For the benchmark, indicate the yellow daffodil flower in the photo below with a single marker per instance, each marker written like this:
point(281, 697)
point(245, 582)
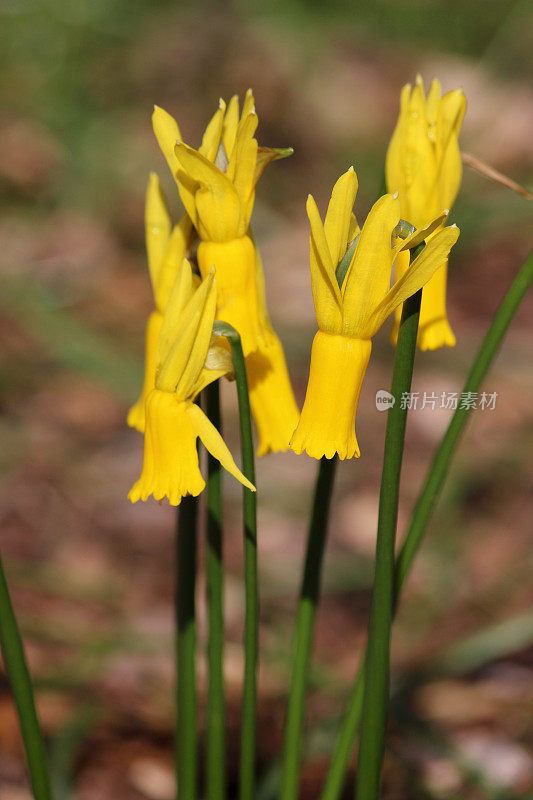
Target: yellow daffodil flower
point(349, 315)
point(185, 364)
point(424, 166)
point(217, 187)
point(166, 250)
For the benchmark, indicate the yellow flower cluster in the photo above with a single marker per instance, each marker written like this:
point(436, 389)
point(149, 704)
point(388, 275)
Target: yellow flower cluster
point(350, 276)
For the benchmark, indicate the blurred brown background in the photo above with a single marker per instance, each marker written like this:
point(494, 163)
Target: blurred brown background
point(89, 572)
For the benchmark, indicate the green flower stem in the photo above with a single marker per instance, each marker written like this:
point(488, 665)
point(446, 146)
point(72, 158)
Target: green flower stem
point(423, 510)
point(216, 707)
point(251, 616)
point(376, 685)
point(21, 686)
point(305, 621)
point(187, 713)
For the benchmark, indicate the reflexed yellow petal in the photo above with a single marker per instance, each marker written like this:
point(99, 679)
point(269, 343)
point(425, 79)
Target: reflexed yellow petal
point(433, 102)
point(248, 105)
point(217, 203)
point(170, 460)
point(241, 168)
point(229, 130)
point(213, 133)
point(136, 414)
point(215, 444)
point(432, 257)
point(267, 154)
point(353, 229)
point(188, 385)
point(180, 350)
point(167, 134)
point(327, 421)
point(368, 277)
point(339, 215)
point(326, 292)
point(177, 247)
point(182, 291)
point(157, 227)
point(421, 233)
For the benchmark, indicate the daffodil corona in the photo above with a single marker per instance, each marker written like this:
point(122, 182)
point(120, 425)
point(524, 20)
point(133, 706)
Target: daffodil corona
point(349, 314)
point(217, 187)
point(186, 361)
point(424, 166)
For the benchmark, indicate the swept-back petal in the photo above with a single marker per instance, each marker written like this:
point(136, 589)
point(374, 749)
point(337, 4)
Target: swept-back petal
point(326, 292)
point(339, 214)
point(432, 257)
point(213, 133)
point(184, 334)
point(167, 134)
point(368, 277)
point(188, 384)
point(176, 249)
point(421, 233)
point(182, 291)
point(229, 129)
point(241, 167)
point(157, 227)
point(214, 442)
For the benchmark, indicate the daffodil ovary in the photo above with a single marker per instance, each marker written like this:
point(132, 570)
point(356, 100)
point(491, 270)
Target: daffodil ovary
point(349, 315)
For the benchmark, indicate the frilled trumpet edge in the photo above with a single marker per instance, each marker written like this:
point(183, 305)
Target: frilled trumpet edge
point(271, 397)
point(170, 461)
point(327, 422)
point(136, 414)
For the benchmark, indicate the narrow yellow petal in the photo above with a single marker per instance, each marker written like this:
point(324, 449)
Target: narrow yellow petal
point(421, 233)
point(177, 247)
point(175, 362)
point(215, 444)
point(217, 203)
point(368, 278)
point(157, 228)
point(182, 291)
point(188, 386)
point(167, 134)
point(229, 129)
point(326, 292)
point(432, 257)
point(339, 214)
point(213, 133)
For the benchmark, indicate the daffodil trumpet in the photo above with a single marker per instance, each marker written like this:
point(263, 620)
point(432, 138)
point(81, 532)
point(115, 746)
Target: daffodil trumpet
point(349, 313)
point(217, 186)
point(424, 166)
point(187, 360)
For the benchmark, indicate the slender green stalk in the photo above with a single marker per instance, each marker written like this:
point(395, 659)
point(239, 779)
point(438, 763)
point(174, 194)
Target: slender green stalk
point(376, 685)
point(216, 712)
point(187, 713)
point(305, 621)
point(21, 686)
point(251, 615)
point(424, 509)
